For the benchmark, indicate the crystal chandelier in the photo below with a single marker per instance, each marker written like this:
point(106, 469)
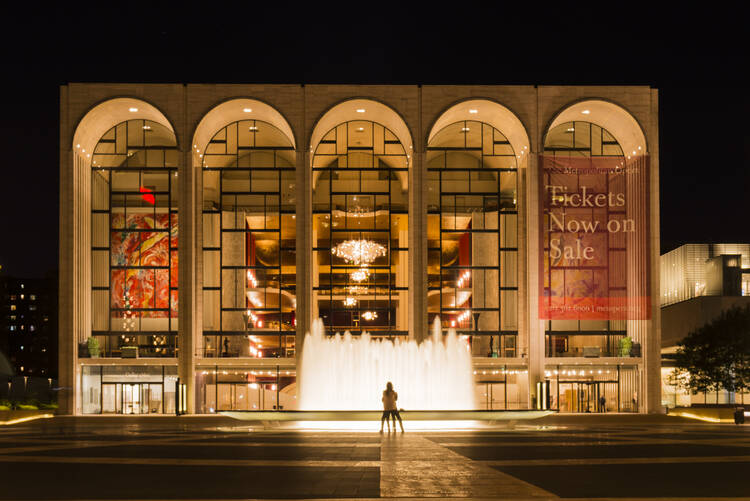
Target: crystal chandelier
point(370, 315)
point(360, 275)
point(359, 252)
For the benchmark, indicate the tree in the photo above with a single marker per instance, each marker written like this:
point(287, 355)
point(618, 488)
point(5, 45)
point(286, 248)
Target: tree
point(716, 356)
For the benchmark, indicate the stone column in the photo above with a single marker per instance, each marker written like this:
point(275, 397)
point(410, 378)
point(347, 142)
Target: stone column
point(522, 263)
point(417, 243)
point(304, 248)
point(190, 184)
point(68, 299)
point(530, 234)
point(75, 272)
point(652, 359)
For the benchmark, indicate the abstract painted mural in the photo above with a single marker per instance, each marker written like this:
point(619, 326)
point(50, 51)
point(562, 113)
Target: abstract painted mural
point(145, 245)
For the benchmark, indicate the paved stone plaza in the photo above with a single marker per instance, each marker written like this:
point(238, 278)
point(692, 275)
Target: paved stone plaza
point(587, 457)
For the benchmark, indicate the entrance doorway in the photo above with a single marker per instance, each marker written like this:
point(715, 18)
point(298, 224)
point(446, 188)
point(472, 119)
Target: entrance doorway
point(586, 396)
point(132, 398)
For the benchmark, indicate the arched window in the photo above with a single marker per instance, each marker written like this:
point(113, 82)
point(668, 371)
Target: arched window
point(134, 229)
point(249, 236)
point(582, 139)
point(472, 235)
point(360, 230)
point(578, 338)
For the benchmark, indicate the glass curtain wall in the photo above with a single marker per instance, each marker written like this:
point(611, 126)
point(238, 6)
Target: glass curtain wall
point(501, 387)
point(592, 388)
point(249, 242)
point(134, 228)
point(585, 338)
point(360, 230)
point(128, 389)
point(472, 236)
point(238, 388)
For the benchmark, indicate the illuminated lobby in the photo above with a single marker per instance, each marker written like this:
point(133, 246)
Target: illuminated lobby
point(205, 227)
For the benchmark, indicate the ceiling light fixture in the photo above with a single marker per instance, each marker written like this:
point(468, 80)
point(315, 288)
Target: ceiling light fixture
point(132, 110)
point(370, 315)
point(360, 275)
point(360, 110)
point(473, 112)
point(247, 110)
point(359, 252)
point(585, 112)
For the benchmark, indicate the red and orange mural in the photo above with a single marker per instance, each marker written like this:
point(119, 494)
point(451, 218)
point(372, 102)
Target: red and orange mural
point(145, 240)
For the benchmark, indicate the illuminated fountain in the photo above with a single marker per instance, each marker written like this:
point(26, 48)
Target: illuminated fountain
point(349, 373)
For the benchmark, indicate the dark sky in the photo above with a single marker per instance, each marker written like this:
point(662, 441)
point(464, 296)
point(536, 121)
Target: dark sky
point(694, 57)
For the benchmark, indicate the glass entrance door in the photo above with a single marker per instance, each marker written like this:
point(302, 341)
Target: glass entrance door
point(491, 396)
point(131, 399)
point(587, 396)
point(152, 394)
point(111, 402)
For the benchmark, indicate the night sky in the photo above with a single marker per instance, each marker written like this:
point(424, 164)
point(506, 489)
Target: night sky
point(695, 58)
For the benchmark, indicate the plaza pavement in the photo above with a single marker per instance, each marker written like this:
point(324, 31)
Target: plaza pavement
point(571, 457)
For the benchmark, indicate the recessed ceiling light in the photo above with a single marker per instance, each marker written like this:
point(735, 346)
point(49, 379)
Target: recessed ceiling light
point(247, 110)
point(132, 110)
point(585, 112)
point(360, 129)
point(78, 146)
point(570, 129)
point(146, 127)
point(254, 128)
point(464, 129)
point(473, 111)
point(360, 110)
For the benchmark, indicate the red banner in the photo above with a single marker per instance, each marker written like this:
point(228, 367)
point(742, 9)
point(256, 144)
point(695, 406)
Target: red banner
point(594, 238)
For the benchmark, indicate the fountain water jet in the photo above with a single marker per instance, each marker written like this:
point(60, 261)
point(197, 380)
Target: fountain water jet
point(349, 373)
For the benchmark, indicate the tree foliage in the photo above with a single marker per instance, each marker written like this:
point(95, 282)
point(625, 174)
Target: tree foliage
point(717, 355)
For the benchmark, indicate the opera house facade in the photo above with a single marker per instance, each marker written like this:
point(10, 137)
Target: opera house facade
point(204, 227)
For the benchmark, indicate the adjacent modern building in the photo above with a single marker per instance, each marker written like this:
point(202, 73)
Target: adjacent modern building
point(204, 227)
point(698, 283)
point(28, 325)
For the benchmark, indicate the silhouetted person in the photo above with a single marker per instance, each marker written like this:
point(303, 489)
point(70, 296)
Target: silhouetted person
point(603, 403)
point(390, 409)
